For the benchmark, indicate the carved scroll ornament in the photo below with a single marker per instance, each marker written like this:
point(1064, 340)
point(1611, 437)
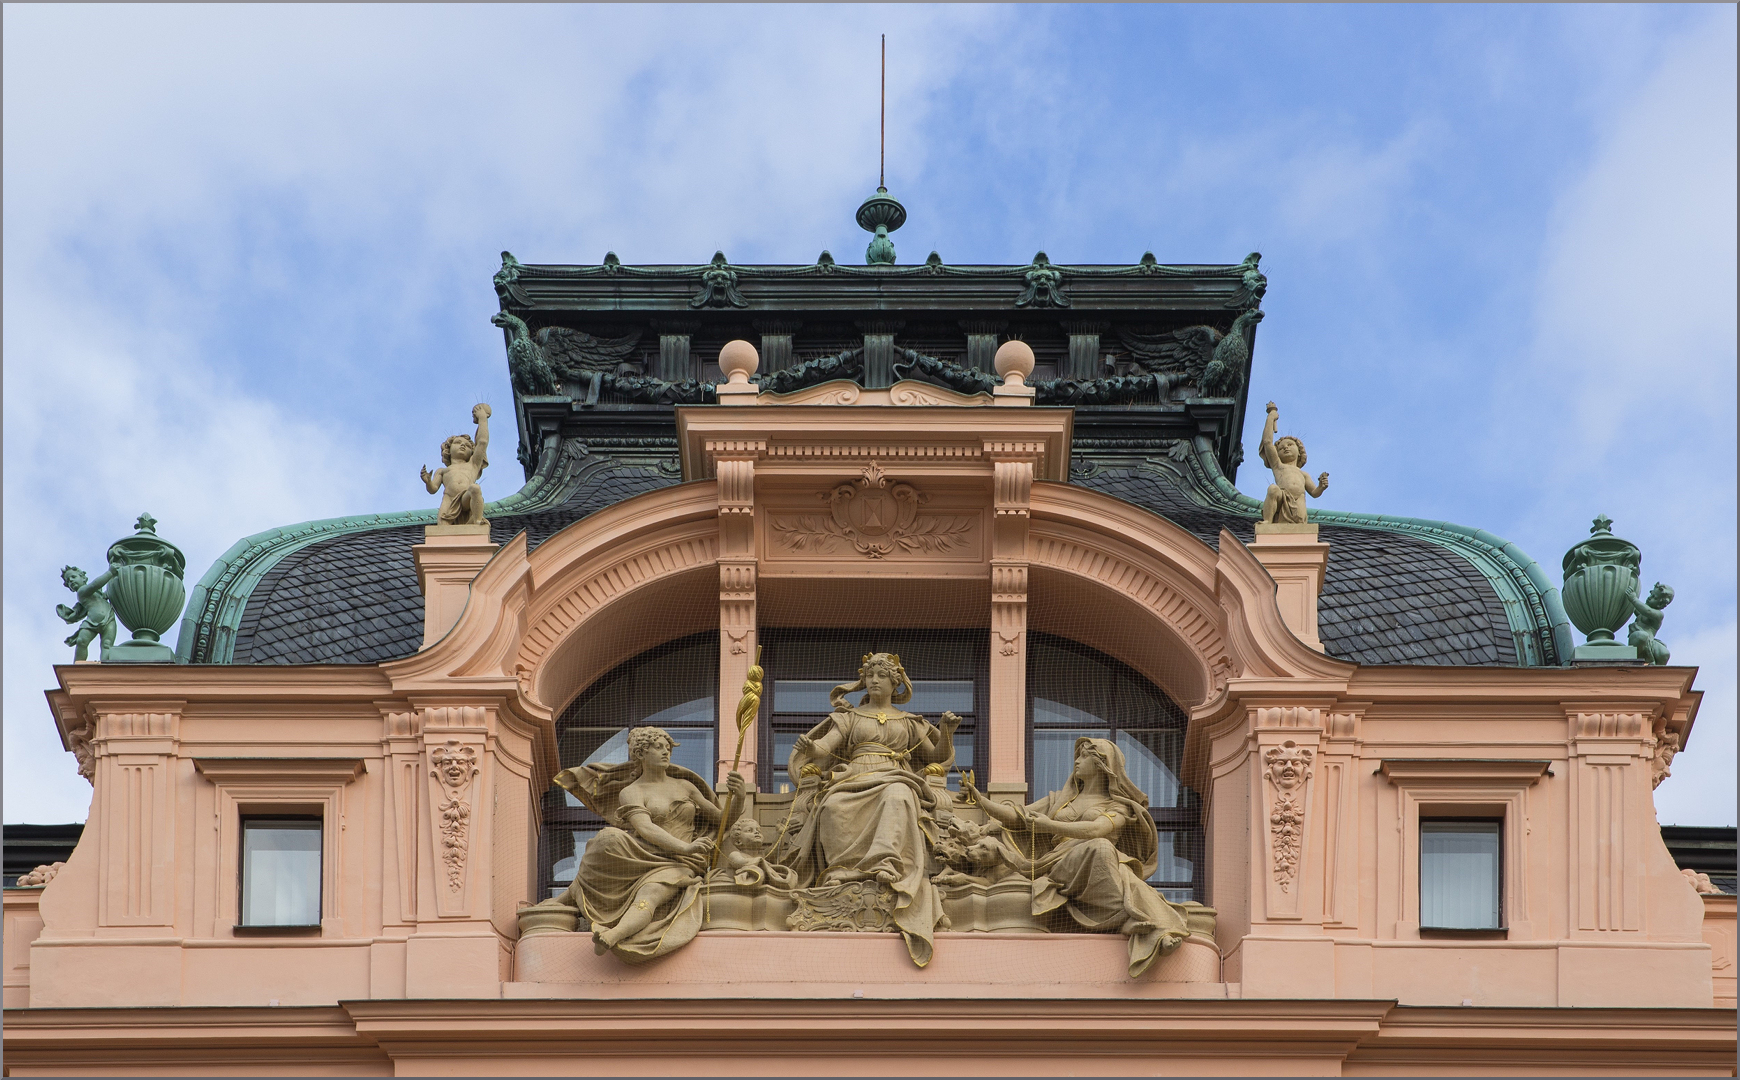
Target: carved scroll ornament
point(877, 516)
point(1287, 768)
point(454, 767)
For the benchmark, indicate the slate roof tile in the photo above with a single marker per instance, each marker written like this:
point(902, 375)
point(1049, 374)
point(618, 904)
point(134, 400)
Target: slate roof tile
point(1387, 598)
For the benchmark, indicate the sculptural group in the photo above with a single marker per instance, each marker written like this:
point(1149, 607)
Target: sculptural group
point(872, 841)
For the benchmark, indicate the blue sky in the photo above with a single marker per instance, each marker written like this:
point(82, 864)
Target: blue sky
point(247, 249)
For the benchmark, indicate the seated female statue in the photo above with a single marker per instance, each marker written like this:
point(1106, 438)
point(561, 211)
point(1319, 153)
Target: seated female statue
point(639, 881)
point(863, 810)
point(1090, 848)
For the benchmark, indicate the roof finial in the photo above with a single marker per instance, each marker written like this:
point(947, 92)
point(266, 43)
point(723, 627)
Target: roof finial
point(881, 213)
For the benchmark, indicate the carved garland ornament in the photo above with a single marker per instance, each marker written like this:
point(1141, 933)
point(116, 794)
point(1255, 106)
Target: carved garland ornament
point(455, 765)
point(1287, 767)
point(877, 516)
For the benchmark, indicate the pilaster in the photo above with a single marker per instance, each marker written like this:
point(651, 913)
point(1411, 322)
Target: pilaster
point(776, 349)
point(734, 470)
point(879, 351)
point(136, 747)
point(1296, 559)
point(982, 335)
point(1012, 469)
point(673, 363)
point(454, 951)
point(1611, 807)
point(448, 560)
point(1083, 361)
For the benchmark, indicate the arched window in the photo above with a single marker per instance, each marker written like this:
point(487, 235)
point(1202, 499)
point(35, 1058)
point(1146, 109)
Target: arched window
point(670, 687)
point(1074, 691)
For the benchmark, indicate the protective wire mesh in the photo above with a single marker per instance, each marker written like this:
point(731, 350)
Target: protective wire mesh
point(862, 820)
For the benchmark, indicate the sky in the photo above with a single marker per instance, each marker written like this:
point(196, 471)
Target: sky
point(248, 249)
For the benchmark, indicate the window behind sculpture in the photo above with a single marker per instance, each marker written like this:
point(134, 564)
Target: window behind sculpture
point(1460, 886)
point(670, 687)
point(1072, 691)
point(280, 872)
point(1075, 692)
point(948, 670)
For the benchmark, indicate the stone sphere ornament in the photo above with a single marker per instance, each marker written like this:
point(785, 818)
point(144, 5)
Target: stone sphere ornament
point(147, 592)
point(738, 360)
point(1014, 361)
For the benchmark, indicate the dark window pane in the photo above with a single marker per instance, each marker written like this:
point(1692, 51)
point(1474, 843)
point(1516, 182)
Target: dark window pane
point(1145, 757)
point(1051, 713)
point(803, 695)
point(1179, 852)
point(695, 751)
point(1459, 874)
point(565, 868)
point(280, 873)
point(929, 696)
point(1054, 756)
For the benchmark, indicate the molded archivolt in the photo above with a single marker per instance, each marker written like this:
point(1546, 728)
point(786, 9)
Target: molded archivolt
point(645, 571)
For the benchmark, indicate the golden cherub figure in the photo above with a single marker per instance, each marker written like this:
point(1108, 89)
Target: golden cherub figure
point(463, 459)
point(1285, 456)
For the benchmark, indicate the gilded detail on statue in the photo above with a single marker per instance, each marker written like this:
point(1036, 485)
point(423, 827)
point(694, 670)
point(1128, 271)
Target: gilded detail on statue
point(1287, 768)
point(873, 842)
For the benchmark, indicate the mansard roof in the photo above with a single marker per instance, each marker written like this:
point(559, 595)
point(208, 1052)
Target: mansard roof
point(1127, 346)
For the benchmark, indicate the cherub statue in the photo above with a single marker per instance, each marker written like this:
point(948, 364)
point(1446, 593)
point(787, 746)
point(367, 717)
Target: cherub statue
point(1647, 620)
point(463, 459)
point(93, 607)
point(747, 863)
point(1285, 456)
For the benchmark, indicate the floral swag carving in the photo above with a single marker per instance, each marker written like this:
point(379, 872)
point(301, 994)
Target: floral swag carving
point(1287, 768)
point(454, 767)
point(876, 515)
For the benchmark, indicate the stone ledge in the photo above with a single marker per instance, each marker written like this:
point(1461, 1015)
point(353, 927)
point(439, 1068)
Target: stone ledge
point(762, 964)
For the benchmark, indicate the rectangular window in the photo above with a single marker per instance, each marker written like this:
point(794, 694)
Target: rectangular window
point(281, 872)
point(1460, 884)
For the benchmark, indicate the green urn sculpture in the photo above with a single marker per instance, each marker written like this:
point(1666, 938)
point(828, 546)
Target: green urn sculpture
point(1600, 594)
point(147, 593)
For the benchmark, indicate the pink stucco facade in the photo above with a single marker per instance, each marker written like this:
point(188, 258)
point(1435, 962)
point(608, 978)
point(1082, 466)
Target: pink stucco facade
point(130, 960)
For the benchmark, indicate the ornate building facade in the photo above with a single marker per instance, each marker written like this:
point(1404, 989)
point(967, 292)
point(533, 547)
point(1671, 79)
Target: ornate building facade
point(1179, 790)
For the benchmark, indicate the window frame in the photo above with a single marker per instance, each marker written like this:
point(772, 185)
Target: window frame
point(1497, 823)
point(975, 643)
point(1493, 788)
point(244, 821)
point(556, 817)
point(1184, 818)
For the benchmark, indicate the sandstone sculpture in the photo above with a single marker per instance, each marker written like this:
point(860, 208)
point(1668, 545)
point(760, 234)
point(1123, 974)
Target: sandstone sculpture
point(1285, 503)
point(873, 841)
point(863, 809)
point(639, 880)
point(1090, 848)
point(463, 459)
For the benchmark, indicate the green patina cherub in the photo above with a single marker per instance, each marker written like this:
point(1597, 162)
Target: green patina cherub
point(93, 607)
point(1647, 623)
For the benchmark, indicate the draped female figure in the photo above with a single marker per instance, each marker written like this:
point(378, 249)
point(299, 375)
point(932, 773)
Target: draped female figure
point(639, 880)
point(1090, 848)
point(863, 811)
